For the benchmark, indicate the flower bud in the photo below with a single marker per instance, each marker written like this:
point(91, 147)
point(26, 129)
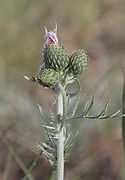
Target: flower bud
point(49, 78)
point(77, 62)
point(55, 56)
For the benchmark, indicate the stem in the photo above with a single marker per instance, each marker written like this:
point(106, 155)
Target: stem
point(123, 131)
point(60, 141)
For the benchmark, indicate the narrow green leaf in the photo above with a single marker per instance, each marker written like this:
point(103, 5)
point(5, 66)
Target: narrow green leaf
point(116, 114)
point(104, 111)
point(76, 107)
point(88, 111)
point(69, 144)
point(44, 114)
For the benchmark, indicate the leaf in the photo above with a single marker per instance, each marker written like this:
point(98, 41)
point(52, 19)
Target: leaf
point(87, 112)
point(44, 114)
point(104, 111)
point(49, 127)
point(69, 145)
point(116, 114)
point(32, 79)
point(76, 106)
point(76, 92)
point(86, 106)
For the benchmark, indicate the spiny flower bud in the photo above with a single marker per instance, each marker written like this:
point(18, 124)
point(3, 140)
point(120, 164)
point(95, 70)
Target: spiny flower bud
point(55, 56)
point(49, 78)
point(78, 62)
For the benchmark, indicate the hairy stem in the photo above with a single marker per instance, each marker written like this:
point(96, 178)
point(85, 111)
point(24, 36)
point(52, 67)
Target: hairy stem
point(123, 131)
point(60, 142)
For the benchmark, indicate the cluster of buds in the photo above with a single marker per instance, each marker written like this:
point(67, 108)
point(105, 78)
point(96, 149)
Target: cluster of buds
point(58, 66)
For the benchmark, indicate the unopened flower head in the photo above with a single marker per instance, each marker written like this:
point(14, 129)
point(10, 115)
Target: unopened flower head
point(55, 55)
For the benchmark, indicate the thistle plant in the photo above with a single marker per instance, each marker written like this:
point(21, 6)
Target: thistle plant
point(59, 69)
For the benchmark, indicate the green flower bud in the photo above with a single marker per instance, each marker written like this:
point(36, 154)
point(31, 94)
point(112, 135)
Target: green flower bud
point(49, 78)
point(78, 62)
point(55, 57)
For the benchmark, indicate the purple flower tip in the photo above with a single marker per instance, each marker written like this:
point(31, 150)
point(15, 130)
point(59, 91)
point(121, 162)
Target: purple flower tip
point(51, 36)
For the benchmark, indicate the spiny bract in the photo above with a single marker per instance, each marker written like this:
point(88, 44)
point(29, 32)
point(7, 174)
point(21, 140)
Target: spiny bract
point(77, 62)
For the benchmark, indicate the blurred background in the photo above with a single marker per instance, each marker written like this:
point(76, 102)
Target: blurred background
point(93, 25)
